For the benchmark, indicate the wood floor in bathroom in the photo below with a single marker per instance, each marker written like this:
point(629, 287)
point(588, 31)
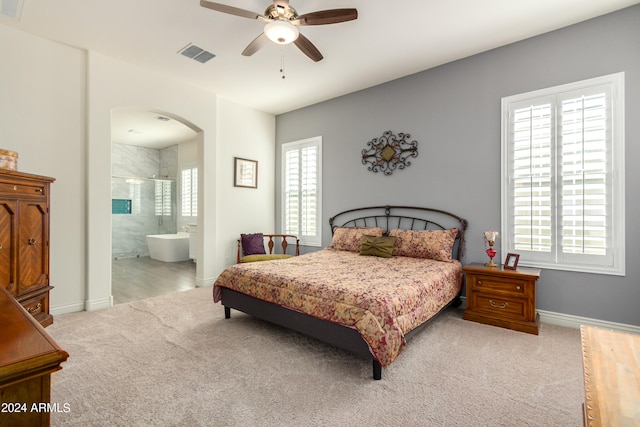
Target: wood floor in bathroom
point(138, 278)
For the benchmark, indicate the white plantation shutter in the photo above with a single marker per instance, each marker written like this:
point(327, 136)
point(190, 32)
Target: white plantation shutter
point(301, 190)
point(189, 189)
point(163, 197)
point(531, 178)
point(292, 192)
point(584, 164)
point(564, 176)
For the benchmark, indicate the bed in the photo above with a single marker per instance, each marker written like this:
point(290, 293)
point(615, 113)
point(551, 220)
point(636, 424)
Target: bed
point(387, 272)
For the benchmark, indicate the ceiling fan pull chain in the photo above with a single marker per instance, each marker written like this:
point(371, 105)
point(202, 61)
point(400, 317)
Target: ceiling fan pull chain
point(282, 63)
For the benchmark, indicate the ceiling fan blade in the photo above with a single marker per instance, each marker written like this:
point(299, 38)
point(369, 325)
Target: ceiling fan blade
point(322, 17)
point(233, 10)
point(255, 45)
point(308, 48)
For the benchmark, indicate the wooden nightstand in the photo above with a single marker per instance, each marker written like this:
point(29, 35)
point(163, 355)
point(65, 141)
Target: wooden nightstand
point(505, 298)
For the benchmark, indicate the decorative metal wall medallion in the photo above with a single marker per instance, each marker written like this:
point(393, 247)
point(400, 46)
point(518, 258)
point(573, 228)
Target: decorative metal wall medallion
point(389, 152)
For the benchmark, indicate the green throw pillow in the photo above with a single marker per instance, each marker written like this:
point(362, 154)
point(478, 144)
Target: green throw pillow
point(377, 246)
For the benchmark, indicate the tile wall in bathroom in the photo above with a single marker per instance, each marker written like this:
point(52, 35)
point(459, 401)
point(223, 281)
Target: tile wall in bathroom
point(132, 171)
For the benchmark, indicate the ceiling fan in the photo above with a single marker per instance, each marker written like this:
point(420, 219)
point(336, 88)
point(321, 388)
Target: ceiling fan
point(282, 22)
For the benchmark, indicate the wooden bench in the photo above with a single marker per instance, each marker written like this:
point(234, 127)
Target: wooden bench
point(284, 241)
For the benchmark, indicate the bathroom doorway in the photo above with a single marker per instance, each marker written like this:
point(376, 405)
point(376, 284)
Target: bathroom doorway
point(149, 150)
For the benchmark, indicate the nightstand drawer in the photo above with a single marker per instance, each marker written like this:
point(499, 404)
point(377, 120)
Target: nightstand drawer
point(496, 284)
point(501, 307)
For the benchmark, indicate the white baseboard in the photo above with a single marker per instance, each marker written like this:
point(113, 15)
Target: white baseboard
point(204, 283)
point(571, 321)
point(91, 305)
point(67, 308)
point(88, 305)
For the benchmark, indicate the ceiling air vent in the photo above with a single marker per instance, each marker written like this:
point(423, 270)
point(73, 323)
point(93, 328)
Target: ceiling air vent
point(194, 52)
point(11, 8)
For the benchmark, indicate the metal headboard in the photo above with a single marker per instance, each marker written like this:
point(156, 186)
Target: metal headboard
point(404, 217)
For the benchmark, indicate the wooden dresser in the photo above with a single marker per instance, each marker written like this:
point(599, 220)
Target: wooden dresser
point(611, 362)
point(24, 241)
point(28, 356)
point(501, 297)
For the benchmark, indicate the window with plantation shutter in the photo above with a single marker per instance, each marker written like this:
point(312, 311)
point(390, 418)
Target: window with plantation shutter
point(563, 176)
point(302, 190)
point(164, 199)
point(189, 189)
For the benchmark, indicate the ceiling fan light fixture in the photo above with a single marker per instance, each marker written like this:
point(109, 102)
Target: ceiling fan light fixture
point(281, 32)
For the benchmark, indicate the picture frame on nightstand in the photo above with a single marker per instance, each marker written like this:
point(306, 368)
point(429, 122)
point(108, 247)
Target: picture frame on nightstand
point(511, 262)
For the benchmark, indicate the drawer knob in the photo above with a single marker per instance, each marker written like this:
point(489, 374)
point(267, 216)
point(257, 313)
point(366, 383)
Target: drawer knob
point(479, 282)
point(32, 242)
point(518, 287)
point(495, 305)
point(34, 309)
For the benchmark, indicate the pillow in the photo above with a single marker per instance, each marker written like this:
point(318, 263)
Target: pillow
point(252, 244)
point(348, 238)
point(431, 244)
point(377, 246)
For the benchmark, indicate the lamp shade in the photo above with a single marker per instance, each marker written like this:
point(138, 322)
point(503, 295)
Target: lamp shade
point(281, 32)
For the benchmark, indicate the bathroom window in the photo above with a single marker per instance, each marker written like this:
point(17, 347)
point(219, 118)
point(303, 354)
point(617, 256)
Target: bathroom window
point(163, 198)
point(190, 191)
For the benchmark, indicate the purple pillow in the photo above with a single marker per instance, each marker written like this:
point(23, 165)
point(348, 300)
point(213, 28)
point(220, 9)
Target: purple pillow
point(252, 244)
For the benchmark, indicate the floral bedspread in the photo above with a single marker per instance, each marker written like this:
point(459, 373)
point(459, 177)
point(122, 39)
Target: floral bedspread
point(382, 298)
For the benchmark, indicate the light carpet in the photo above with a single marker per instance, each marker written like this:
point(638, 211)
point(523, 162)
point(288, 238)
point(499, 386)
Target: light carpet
point(174, 360)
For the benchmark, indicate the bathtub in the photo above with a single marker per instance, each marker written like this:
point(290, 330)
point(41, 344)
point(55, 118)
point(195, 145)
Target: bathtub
point(169, 247)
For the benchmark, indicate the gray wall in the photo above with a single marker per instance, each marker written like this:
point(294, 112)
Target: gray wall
point(453, 111)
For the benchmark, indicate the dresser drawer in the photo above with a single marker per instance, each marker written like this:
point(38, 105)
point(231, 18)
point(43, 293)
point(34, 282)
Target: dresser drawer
point(493, 284)
point(22, 189)
point(500, 307)
point(38, 307)
point(35, 305)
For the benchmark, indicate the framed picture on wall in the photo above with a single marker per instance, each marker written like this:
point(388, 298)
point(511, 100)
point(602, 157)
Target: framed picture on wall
point(245, 173)
point(511, 262)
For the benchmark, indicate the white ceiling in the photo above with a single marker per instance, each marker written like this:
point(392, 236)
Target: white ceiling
point(389, 40)
point(148, 129)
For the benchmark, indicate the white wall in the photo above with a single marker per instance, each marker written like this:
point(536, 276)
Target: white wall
point(115, 84)
point(42, 117)
point(249, 134)
point(55, 111)
point(187, 157)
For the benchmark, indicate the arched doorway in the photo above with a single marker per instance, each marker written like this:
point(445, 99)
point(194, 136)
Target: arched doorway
point(150, 149)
